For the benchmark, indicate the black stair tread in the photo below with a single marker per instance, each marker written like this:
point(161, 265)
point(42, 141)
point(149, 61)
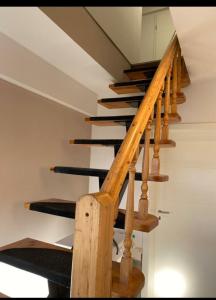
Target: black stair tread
point(67, 209)
point(145, 65)
point(102, 173)
point(131, 101)
point(123, 119)
point(132, 86)
point(64, 208)
point(132, 82)
point(43, 259)
point(57, 207)
point(113, 142)
point(54, 263)
point(121, 102)
point(86, 171)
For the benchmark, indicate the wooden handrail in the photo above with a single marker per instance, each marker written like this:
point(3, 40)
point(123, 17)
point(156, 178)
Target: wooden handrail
point(116, 175)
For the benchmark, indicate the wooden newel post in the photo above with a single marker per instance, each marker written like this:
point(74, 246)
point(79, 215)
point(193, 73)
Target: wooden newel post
point(92, 250)
point(143, 201)
point(155, 167)
point(127, 261)
point(165, 130)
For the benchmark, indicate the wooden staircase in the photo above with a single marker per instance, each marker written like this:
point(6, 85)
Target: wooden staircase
point(94, 273)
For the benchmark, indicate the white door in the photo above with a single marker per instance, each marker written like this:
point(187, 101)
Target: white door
point(182, 248)
point(157, 30)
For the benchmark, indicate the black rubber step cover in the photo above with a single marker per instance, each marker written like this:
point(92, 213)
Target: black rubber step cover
point(55, 265)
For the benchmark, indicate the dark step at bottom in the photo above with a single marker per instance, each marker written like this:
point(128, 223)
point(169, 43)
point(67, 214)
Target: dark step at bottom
point(54, 263)
point(43, 259)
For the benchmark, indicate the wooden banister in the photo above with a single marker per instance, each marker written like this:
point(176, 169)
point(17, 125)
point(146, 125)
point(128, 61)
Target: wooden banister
point(95, 213)
point(119, 168)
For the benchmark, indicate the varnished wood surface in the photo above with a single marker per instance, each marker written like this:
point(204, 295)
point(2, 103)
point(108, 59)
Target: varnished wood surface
point(140, 71)
point(119, 168)
point(132, 288)
point(147, 224)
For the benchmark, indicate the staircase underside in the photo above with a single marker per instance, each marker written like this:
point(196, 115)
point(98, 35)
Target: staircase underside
point(54, 263)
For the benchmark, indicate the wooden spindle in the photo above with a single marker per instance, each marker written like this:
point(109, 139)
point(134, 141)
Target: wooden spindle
point(155, 167)
point(174, 86)
point(165, 129)
point(179, 71)
point(127, 261)
point(143, 201)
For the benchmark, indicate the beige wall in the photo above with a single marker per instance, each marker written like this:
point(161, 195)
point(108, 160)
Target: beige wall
point(34, 137)
point(81, 27)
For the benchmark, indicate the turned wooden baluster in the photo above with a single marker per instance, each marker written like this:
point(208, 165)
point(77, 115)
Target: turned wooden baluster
point(174, 85)
point(179, 71)
point(143, 201)
point(155, 166)
point(165, 129)
point(127, 261)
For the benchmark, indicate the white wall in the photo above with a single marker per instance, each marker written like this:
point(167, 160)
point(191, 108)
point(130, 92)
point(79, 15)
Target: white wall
point(123, 26)
point(185, 239)
point(23, 68)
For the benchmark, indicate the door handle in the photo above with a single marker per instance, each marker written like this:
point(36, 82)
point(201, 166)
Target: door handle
point(163, 211)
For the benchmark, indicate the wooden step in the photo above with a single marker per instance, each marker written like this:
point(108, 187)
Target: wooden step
point(132, 101)
point(102, 173)
point(146, 71)
point(124, 120)
point(67, 209)
point(147, 224)
point(145, 65)
point(43, 259)
point(117, 142)
point(127, 87)
point(130, 290)
point(54, 263)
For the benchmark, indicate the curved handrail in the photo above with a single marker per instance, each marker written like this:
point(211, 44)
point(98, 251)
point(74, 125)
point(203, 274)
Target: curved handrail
point(118, 171)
